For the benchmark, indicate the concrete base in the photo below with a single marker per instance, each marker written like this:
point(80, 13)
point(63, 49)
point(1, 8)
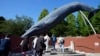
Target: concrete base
point(74, 55)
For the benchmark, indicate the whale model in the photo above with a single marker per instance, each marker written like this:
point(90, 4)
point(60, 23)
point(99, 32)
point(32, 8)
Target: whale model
point(56, 17)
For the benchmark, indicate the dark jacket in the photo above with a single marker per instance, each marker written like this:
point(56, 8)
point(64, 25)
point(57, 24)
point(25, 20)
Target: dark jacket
point(24, 46)
point(4, 46)
point(40, 45)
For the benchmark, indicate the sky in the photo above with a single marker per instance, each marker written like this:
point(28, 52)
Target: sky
point(32, 8)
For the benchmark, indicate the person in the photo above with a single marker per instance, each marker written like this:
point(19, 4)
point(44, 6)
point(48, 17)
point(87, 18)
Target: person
point(54, 40)
point(40, 46)
point(24, 46)
point(5, 46)
point(34, 44)
point(61, 43)
point(46, 38)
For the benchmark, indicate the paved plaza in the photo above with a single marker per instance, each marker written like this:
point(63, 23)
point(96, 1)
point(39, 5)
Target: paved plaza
point(52, 53)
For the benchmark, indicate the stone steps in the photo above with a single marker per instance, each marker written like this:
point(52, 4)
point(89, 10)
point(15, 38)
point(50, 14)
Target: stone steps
point(53, 53)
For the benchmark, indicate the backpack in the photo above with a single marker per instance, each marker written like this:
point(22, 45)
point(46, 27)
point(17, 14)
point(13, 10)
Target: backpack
point(45, 40)
point(54, 39)
point(62, 41)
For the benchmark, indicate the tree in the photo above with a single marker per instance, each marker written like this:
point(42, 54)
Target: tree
point(99, 6)
point(2, 19)
point(16, 26)
point(59, 29)
point(43, 14)
point(95, 21)
point(71, 25)
point(84, 29)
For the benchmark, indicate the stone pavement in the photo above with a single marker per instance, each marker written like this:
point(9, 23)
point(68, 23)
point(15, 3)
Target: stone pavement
point(53, 53)
point(92, 54)
point(58, 53)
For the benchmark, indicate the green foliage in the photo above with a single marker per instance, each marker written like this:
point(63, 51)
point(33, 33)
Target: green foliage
point(83, 28)
point(99, 6)
point(59, 29)
point(95, 20)
point(16, 26)
point(2, 19)
point(43, 14)
point(71, 27)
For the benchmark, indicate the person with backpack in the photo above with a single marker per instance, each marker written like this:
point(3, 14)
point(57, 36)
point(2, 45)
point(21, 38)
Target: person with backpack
point(54, 40)
point(61, 43)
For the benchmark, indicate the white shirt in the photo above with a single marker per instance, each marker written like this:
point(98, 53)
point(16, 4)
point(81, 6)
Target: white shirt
point(46, 38)
point(34, 41)
point(60, 38)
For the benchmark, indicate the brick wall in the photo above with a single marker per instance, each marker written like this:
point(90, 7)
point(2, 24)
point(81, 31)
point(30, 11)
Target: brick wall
point(87, 44)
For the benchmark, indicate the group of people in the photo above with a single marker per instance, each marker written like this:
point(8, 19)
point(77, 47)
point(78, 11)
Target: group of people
point(40, 44)
point(59, 40)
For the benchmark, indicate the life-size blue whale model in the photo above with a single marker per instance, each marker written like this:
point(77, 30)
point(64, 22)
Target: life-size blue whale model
point(55, 17)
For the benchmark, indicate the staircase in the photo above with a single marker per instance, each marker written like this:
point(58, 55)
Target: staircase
point(66, 53)
point(51, 52)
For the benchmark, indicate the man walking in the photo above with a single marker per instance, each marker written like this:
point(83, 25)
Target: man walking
point(54, 40)
point(34, 44)
point(40, 46)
